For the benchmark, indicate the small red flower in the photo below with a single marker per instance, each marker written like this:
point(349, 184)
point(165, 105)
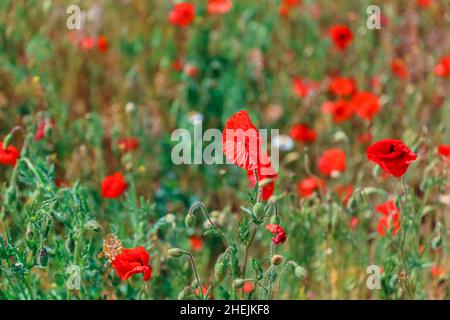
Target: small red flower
point(341, 110)
point(442, 69)
point(444, 150)
point(280, 234)
point(343, 86)
point(399, 69)
point(366, 105)
point(302, 88)
point(190, 70)
point(86, 43)
point(182, 14)
point(132, 261)
point(102, 44)
point(128, 144)
point(389, 219)
point(331, 162)
point(437, 271)
point(424, 3)
point(248, 287)
point(287, 5)
point(303, 133)
point(219, 6)
point(353, 223)
point(241, 141)
point(113, 186)
point(196, 243)
point(8, 156)
point(308, 186)
point(341, 35)
point(393, 156)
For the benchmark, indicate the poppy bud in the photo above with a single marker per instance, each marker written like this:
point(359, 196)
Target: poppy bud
point(175, 252)
point(219, 271)
point(300, 272)
point(275, 219)
point(42, 257)
point(258, 210)
point(189, 221)
point(91, 227)
point(238, 283)
point(277, 259)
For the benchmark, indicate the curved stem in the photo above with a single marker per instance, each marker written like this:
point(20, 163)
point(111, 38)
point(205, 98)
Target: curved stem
point(205, 212)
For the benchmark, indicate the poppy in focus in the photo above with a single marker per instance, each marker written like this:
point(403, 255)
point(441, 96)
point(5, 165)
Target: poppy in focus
point(182, 14)
point(278, 231)
point(132, 261)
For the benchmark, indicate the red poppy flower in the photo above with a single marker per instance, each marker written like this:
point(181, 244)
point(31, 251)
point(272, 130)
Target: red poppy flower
point(341, 36)
point(303, 133)
point(287, 5)
point(219, 6)
point(308, 186)
point(40, 131)
point(365, 104)
point(248, 287)
point(424, 3)
point(113, 186)
point(241, 141)
point(442, 69)
point(343, 86)
point(444, 150)
point(132, 261)
point(278, 231)
point(389, 221)
point(393, 156)
point(344, 192)
point(264, 171)
point(302, 88)
point(128, 144)
point(102, 44)
point(341, 110)
point(196, 243)
point(332, 161)
point(190, 70)
point(399, 69)
point(86, 43)
point(8, 156)
point(353, 223)
point(182, 14)
point(437, 271)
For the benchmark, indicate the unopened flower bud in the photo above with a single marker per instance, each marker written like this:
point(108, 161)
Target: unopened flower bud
point(238, 283)
point(258, 210)
point(175, 252)
point(277, 260)
point(219, 271)
point(91, 227)
point(189, 220)
point(300, 272)
point(275, 219)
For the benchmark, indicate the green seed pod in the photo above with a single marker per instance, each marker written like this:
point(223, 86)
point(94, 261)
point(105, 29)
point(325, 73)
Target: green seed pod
point(219, 271)
point(189, 220)
point(92, 227)
point(238, 283)
point(275, 219)
point(175, 252)
point(258, 210)
point(277, 260)
point(300, 272)
point(42, 257)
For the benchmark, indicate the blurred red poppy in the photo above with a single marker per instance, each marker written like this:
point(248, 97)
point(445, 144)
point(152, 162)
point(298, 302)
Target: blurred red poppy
point(341, 110)
point(248, 287)
point(132, 261)
point(365, 104)
point(219, 6)
point(331, 162)
point(353, 223)
point(365, 138)
point(308, 186)
point(128, 144)
point(278, 231)
point(113, 186)
point(389, 221)
point(241, 141)
point(393, 156)
point(303, 133)
point(341, 86)
point(437, 271)
point(182, 14)
point(302, 88)
point(424, 3)
point(8, 155)
point(399, 69)
point(442, 68)
point(196, 243)
point(102, 44)
point(444, 150)
point(341, 35)
point(287, 5)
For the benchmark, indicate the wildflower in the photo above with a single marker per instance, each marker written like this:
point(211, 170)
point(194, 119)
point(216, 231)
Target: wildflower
point(331, 162)
point(287, 5)
point(444, 150)
point(341, 110)
point(353, 223)
point(437, 271)
point(424, 3)
point(8, 155)
point(341, 35)
point(128, 144)
point(196, 243)
point(308, 186)
point(341, 86)
point(389, 219)
point(278, 231)
point(219, 6)
point(442, 69)
point(303, 133)
point(102, 44)
point(132, 261)
point(113, 186)
point(302, 88)
point(248, 287)
point(182, 14)
point(365, 138)
point(366, 105)
point(393, 156)
point(112, 246)
point(399, 69)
